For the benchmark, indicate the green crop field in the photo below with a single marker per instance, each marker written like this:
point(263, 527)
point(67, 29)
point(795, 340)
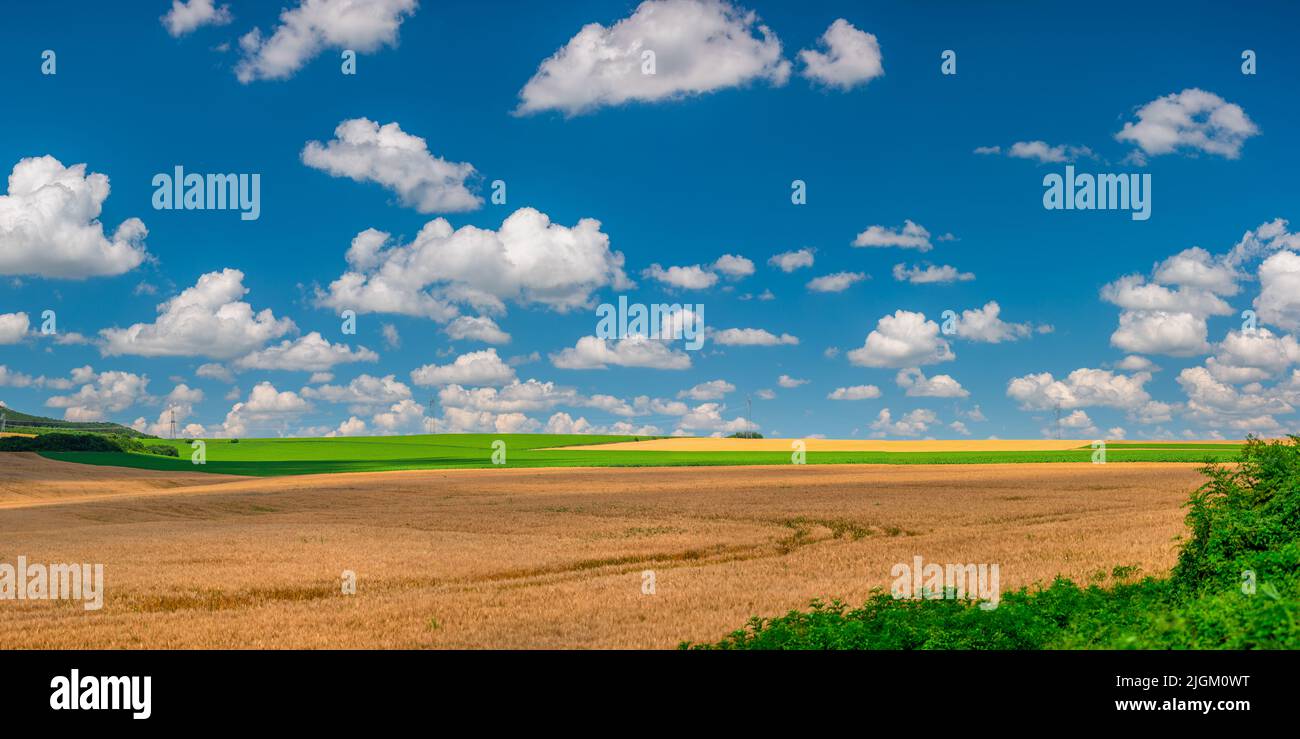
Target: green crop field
point(271, 457)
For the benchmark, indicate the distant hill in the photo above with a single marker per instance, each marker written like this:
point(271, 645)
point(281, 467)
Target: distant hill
point(19, 422)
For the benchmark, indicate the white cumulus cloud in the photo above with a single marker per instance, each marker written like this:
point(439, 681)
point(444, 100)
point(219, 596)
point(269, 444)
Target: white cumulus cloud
point(910, 236)
point(699, 46)
point(529, 260)
point(1193, 120)
point(904, 339)
point(365, 151)
point(847, 57)
point(209, 319)
point(49, 224)
point(633, 351)
point(310, 353)
point(313, 26)
point(187, 15)
point(474, 368)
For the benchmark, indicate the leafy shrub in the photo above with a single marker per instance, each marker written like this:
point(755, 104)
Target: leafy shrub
point(60, 442)
point(745, 435)
point(63, 442)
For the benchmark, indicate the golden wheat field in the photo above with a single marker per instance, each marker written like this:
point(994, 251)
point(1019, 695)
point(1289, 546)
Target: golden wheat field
point(544, 558)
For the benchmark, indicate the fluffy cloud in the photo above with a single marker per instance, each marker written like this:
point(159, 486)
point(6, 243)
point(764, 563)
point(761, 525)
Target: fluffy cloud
point(1160, 320)
point(310, 353)
point(930, 273)
point(633, 351)
point(835, 282)
point(403, 416)
point(1224, 406)
point(1250, 356)
point(920, 386)
point(517, 397)
point(459, 421)
point(392, 338)
point(363, 393)
point(1197, 268)
point(1259, 242)
point(1077, 422)
point(1279, 293)
point(352, 427)
point(910, 236)
point(315, 25)
point(699, 277)
point(693, 277)
point(851, 57)
point(214, 371)
point(266, 408)
point(474, 368)
point(1134, 363)
point(209, 319)
point(711, 390)
point(13, 327)
point(187, 15)
point(787, 381)
point(1040, 151)
point(752, 337)
point(477, 328)
point(1133, 293)
point(49, 224)
point(14, 378)
point(855, 392)
point(367, 152)
point(708, 417)
point(699, 46)
point(734, 266)
point(1190, 120)
point(914, 423)
point(529, 260)
point(266, 399)
point(563, 423)
point(1083, 387)
point(789, 261)
point(904, 339)
point(104, 393)
point(1161, 332)
point(985, 325)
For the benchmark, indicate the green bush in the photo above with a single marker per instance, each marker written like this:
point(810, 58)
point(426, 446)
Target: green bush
point(63, 442)
point(1236, 586)
point(60, 442)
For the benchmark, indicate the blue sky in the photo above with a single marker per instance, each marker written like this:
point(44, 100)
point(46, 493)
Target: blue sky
point(1141, 334)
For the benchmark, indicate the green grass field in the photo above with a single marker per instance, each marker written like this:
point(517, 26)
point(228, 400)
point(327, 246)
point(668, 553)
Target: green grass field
point(272, 457)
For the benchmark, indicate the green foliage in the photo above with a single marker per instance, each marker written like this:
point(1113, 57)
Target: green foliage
point(1236, 586)
point(60, 442)
point(162, 449)
point(745, 435)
